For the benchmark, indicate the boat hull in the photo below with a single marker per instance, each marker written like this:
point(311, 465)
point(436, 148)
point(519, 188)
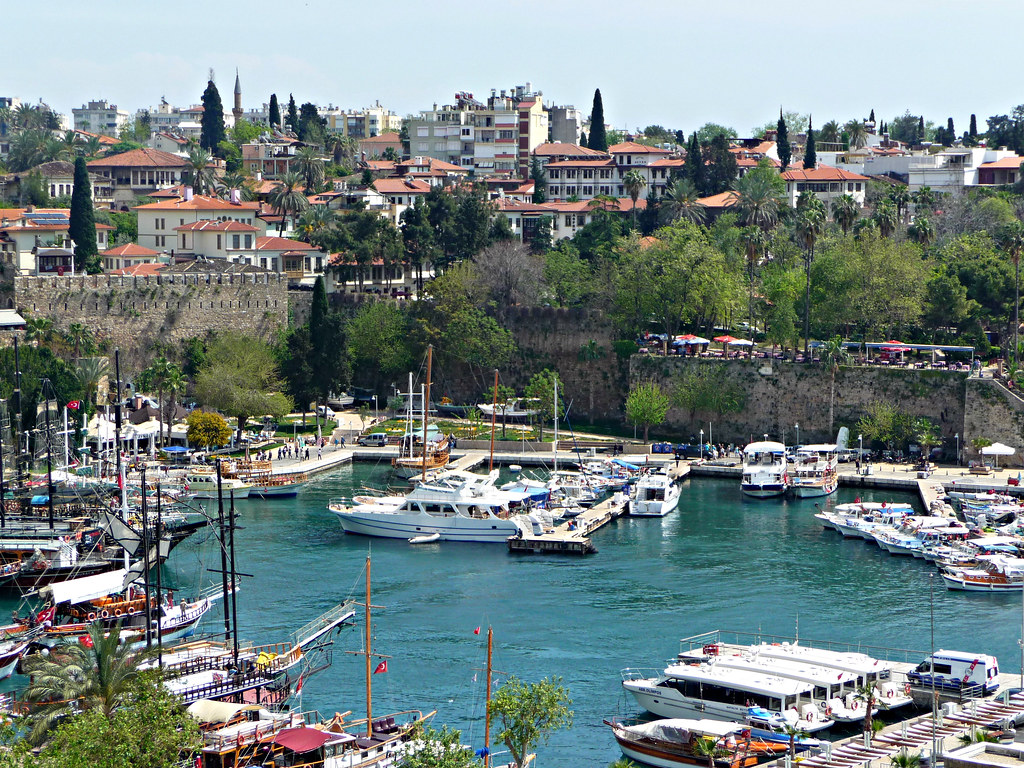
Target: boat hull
point(810, 491)
point(275, 491)
point(401, 526)
point(766, 491)
point(958, 582)
point(239, 493)
point(655, 508)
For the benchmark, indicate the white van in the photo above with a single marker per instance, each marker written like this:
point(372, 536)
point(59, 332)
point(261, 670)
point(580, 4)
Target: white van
point(373, 440)
point(957, 670)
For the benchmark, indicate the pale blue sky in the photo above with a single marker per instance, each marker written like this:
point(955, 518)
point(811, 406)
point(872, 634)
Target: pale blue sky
point(679, 64)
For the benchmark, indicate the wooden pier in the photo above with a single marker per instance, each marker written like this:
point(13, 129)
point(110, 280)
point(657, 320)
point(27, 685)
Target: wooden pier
point(571, 537)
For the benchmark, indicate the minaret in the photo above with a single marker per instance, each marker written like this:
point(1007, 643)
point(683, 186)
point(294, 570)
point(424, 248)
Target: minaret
point(237, 110)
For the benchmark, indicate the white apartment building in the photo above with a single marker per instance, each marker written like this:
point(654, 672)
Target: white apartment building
point(586, 177)
point(361, 123)
point(492, 137)
point(160, 223)
point(827, 183)
point(100, 117)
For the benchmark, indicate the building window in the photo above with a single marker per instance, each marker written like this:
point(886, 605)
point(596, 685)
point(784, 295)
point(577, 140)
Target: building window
point(236, 241)
point(588, 190)
point(248, 241)
point(218, 242)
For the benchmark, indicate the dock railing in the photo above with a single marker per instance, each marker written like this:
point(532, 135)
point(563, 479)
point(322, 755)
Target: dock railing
point(733, 637)
point(334, 617)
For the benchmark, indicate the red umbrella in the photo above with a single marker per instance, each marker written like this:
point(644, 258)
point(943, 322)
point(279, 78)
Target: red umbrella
point(727, 339)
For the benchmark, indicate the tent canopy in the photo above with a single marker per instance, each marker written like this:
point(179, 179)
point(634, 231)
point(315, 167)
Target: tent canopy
point(207, 711)
point(86, 588)
point(302, 739)
point(998, 449)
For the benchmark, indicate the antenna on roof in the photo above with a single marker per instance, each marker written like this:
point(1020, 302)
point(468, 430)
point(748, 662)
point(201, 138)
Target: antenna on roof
point(211, 74)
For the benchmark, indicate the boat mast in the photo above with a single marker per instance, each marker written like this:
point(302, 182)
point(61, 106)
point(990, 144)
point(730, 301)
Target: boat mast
point(494, 414)
point(145, 566)
point(408, 419)
point(117, 435)
point(369, 657)
point(234, 580)
point(487, 708)
point(426, 407)
point(17, 416)
point(223, 552)
point(554, 445)
point(49, 452)
point(159, 585)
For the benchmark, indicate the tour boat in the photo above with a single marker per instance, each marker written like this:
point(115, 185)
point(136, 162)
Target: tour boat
point(459, 506)
point(263, 482)
point(815, 471)
point(507, 411)
point(764, 470)
point(994, 573)
point(908, 537)
point(655, 495)
point(682, 741)
point(424, 448)
point(686, 690)
point(202, 484)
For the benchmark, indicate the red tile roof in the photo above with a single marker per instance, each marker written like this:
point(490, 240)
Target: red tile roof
point(384, 138)
point(821, 173)
point(381, 165)
point(557, 149)
point(667, 162)
point(129, 250)
point(107, 140)
point(169, 192)
point(580, 163)
point(625, 204)
point(282, 244)
point(632, 148)
point(725, 199)
point(432, 163)
point(401, 187)
point(198, 203)
point(1010, 163)
point(217, 226)
point(140, 158)
point(138, 270)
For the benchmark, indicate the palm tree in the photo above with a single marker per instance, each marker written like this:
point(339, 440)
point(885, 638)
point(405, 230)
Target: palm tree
point(829, 132)
point(96, 675)
point(857, 132)
point(794, 732)
point(863, 227)
point(311, 166)
point(1010, 239)
point(623, 762)
point(72, 143)
point(38, 330)
point(758, 201)
point(904, 759)
point(315, 220)
point(922, 231)
point(79, 336)
point(160, 371)
point(924, 199)
point(342, 148)
point(682, 201)
point(707, 746)
point(886, 217)
point(833, 354)
point(287, 198)
point(845, 212)
point(900, 197)
point(90, 371)
point(810, 222)
point(174, 384)
point(866, 694)
point(634, 182)
point(198, 162)
point(237, 181)
point(92, 147)
point(754, 242)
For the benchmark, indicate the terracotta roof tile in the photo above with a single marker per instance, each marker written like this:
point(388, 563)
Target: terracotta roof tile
point(217, 226)
point(1011, 163)
point(821, 173)
point(557, 149)
point(725, 199)
point(198, 203)
point(282, 244)
point(401, 186)
point(140, 158)
point(632, 148)
point(129, 250)
point(138, 270)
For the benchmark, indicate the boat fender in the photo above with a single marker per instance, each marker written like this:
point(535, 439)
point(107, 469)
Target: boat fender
point(258, 734)
point(92, 616)
point(240, 740)
point(906, 688)
point(105, 613)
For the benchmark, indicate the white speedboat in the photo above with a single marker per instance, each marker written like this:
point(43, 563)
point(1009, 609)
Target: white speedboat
point(815, 471)
point(765, 472)
point(459, 506)
point(705, 690)
point(511, 410)
point(655, 495)
point(202, 484)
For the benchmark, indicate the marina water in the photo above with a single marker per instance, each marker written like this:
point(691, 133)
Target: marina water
point(720, 561)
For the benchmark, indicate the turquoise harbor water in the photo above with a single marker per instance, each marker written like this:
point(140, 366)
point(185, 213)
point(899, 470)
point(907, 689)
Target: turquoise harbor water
point(718, 562)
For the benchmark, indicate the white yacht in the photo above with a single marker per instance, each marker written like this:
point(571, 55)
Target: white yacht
point(857, 519)
point(764, 470)
point(202, 484)
point(815, 471)
point(721, 693)
point(655, 495)
point(459, 506)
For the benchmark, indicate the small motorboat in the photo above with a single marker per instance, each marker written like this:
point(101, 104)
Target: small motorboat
point(427, 538)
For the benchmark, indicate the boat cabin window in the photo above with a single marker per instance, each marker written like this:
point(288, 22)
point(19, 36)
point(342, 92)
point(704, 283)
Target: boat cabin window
point(439, 510)
point(820, 692)
point(710, 692)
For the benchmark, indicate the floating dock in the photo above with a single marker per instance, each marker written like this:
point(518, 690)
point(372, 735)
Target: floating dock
point(572, 537)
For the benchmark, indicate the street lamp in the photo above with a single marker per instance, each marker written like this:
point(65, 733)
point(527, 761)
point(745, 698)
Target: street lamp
point(797, 425)
point(702, 445)
point(375, 415)
point(957, 436)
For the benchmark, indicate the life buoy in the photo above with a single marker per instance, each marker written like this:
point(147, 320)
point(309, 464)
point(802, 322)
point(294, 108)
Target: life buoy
point(855, 705)
point(259, 735)
point(906, 688)
point(890, 693)
point(240, 740)
point(130, 611)
point(828, 711)
point(810, 716)
point(105, 613)
point(92, 616)
point(118, 613)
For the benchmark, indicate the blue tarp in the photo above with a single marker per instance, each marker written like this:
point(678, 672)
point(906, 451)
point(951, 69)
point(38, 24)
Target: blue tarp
point(625, 464)
point(38, 501)
point(175, 449)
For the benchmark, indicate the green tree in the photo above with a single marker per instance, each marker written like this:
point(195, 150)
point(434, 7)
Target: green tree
point(199, 168)
point(647, 405)
point(312, 128)
point(833, 354)
point(295, 356)
point(693, 165)
point(39, 331)
point(81, 221)
point(682, 201)
point(542, 388)
point(867, 695)
point(754, 244)
point(38, 363)
point(922, 231)
point(275, 112)
point(810, 152)
point(91, 371)
point(885, 218)
point(241, 379)
point(379, 341)
point(1010, 238)
point(441, 749)
point(287, 198)
point(722, 167)
point(292, 118)
point(900, 197)
point(567, 276)
point(809, 224)
point(634, 182)
point(760, 196)
point(845, 211)
point(782, 141)
point(528, 714)
point(95, 676)
point(539, 181)
point(207, 430)
point(311, 166)
point(80, 337)
point(212, 131)
point(159, 373)
point(709, 748)
point(329, 361)
point(707, 132)
point(597, 140)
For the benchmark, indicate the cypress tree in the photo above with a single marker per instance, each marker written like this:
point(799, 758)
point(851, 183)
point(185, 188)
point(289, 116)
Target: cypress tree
point(82, 224)
point(920, 129)
point(275, 111)
point(872, 118)
point(810, 154)
point(782, 140)
point(949, 126)
point(212, 132)
point(598, 140)
point(318, 311)
point(974, 127)
point(680, 138)
point(693, 166)
point(293, 114)
point(583, 139)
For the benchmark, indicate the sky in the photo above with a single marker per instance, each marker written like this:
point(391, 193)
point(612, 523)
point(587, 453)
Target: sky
point(677, 63)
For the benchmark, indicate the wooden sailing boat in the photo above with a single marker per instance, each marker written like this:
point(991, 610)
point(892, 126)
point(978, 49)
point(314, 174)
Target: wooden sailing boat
point(430, 454)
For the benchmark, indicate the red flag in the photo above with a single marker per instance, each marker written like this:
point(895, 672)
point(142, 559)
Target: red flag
point(74, 405)
point(298, 685)
point(86, 640)
point(46, 614)
point(382, 667)
point(476, 631)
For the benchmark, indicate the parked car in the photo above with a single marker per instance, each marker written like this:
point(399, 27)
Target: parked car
point(373, 440)
point(326, 411)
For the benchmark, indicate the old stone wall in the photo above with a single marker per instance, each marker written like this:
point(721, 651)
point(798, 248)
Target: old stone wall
point(133, 312)
point(994, 413)
point(778, 397)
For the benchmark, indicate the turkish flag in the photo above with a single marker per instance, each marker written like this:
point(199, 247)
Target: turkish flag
point(382, 667)
point(476, 631)
point(86, 640)
point(74, 405)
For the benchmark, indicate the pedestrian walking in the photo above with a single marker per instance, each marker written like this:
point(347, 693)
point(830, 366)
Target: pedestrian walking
point(319, 453)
